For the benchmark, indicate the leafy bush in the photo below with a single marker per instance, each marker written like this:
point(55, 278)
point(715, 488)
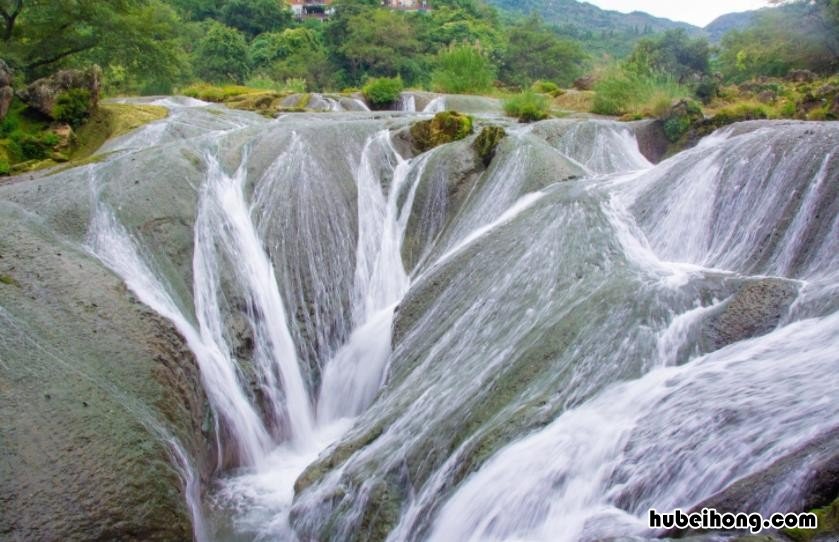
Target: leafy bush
point(527, 106)
point(34, 147)
point(5, 168)
point(461, 70)
point(621, 92)
point(72, 106)
point(295, 85)
point(547, 87)
point(382, 91)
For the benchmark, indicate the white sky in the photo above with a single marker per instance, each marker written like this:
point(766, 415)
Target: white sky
point(698, 12)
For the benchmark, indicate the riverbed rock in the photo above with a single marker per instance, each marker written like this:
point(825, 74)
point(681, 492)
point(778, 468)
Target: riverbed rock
point(755, 310)
point(93, 385)
point(803, 480)
point(42, 94)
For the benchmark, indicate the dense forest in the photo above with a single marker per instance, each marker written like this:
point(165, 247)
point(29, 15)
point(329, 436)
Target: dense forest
point(527, 55)
point(155, 46)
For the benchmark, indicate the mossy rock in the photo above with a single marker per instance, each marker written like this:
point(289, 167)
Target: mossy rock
point(113, 120)
point(487, 141)
point(445, 127)
point(828, 525)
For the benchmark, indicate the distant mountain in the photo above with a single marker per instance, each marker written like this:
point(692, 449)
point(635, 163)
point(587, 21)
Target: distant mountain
point(589, 16)
point(603, 32)
point(728, 22)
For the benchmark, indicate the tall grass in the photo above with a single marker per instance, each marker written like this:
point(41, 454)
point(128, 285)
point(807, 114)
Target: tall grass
point(621, 92)
point(527, 106)
point(462, 69)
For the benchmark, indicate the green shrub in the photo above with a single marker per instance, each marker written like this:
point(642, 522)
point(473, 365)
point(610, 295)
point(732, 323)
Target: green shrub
point(621, 92)
point(547, 87)
point(33, 146)
point(462, 69)
point(527, 106)
point(382, 91)
point(72, 106)
point(8, 125)
point(295, 85)
point(5, 168)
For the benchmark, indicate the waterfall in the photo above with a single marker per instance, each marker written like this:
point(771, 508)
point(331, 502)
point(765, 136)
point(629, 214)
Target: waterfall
point(225, 229)
point(436, 105)
point(407, 103)
point(431, 348)
point(356, 373)
point(111, 243)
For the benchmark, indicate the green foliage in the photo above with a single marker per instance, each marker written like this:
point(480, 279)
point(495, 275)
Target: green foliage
point(377, 42)
point(621, 92)
point(741, 112)
point(547, 87)
point(802, 34)
point(34, 146)
point(534, 53)
point(253, 17)
point(294, 53)
point(295, 85)
point(673, 53)
point(445, 127)
point(5, 168)
point(72, 106)
point(140, 35)
point(383, 91)
point(462, 69)
point(222, 55)
point(487, 141)
point(527, 106)
point(212, 93)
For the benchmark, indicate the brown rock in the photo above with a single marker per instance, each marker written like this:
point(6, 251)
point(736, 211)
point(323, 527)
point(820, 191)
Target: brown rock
point(6, 96)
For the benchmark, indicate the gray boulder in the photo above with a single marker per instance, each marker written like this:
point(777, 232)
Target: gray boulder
point(42, 94)
point(754, 310)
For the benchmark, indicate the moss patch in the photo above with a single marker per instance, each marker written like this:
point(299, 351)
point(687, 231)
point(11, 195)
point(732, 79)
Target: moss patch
point(9, 280)
point(828, 524)
point(113, 120)
point(487, 141)
point(445, 127)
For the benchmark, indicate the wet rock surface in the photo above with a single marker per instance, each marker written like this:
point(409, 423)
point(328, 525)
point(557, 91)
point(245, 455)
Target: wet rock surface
point(92, 383)
point(755, 310)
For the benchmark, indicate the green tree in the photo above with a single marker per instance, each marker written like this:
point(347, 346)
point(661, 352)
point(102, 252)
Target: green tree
point(254, 17)
point(462, 69)
point(292, 53)
point(42, 35)
point(380, 43)
point(800, 34)
point(222, 55)
point(534, 53)
point(673, 53)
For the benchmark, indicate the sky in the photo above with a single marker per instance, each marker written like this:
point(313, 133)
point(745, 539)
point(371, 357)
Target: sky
point(697, 12)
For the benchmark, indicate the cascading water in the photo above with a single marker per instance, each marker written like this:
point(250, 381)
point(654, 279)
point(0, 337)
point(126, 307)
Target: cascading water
point(424, 347)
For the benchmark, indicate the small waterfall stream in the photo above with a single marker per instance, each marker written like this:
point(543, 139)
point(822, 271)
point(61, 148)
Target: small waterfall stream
point(422, 348)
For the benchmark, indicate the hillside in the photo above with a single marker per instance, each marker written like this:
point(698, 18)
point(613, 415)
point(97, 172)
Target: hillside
point(604, 32)
point(728, 22)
